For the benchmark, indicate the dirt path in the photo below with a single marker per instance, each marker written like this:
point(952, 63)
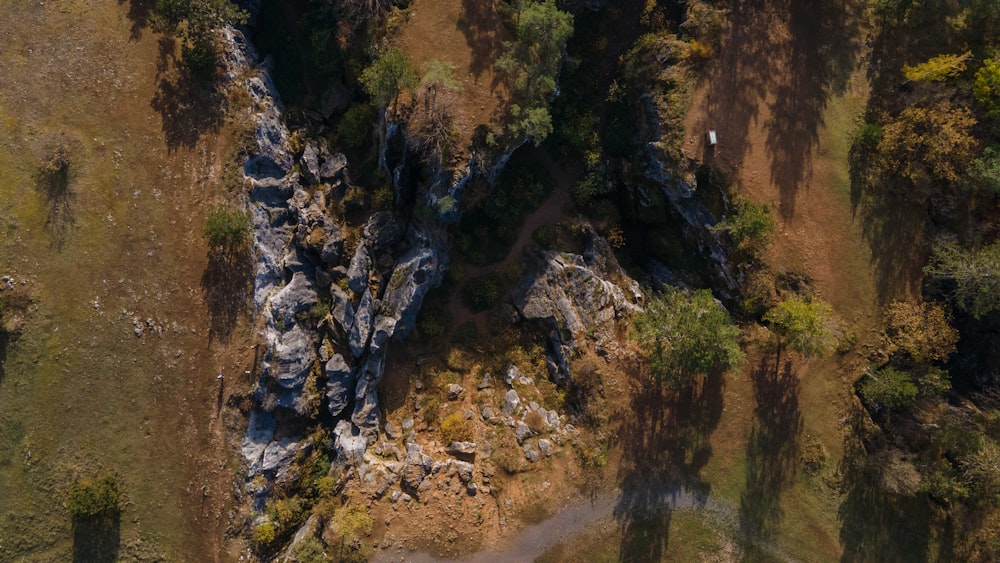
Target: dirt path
point(551, 211)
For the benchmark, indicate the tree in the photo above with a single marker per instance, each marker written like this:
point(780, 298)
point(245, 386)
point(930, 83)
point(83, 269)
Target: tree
point(195, 22)
point(975, 274)
point(388, 75)
point(804, 325)
point(984, 173)
point(227, 230)
point(888, 388)
point(924, 140)
point(531, 63)
point(937, 69)
point(682, 336)
point(433, 127)
point(986, 87)
point(750, 225)
point(918, 333)
point(93, 499)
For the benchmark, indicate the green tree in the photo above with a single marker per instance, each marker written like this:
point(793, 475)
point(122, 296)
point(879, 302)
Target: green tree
point(986, 87)
point(388, 76)
point(750, 225)
point(682, 336)
point(975, 274)
point(889, 388)
point(91, 499)
point(227, 230)
point(984, 174)
point(531, 64)
point(195, 23)
point(806, 326)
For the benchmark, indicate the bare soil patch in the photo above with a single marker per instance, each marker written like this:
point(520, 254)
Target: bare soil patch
point(468, 34)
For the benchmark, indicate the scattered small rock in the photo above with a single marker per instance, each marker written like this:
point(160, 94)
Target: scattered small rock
point(454, 390)
point(512, 375)
point(545, 447)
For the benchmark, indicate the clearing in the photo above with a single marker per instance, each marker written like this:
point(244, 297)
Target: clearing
point(115, 371)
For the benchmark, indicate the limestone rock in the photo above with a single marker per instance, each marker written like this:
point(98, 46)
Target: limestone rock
point(462, 449)
point(454, 390)
point(362, 328)
point(340, 385)
point(511, 403)
point(348, 444)
point(293, 358)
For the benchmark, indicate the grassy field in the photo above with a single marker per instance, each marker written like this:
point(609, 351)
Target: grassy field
point(80, 393)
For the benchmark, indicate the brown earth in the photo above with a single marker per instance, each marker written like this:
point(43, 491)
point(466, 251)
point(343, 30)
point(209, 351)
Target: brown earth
point(468, 34)
point(80, 393)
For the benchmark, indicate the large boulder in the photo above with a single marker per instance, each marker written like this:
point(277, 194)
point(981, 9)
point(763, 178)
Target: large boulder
point(349, 444)
point(297, 296)
point(292, 358)
point(577, 297)
point(259, 433)
point(357, 272)
point(361, 330)
point(340, 385)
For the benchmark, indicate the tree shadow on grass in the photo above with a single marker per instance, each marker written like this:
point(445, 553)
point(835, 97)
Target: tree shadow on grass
point(665, 445)
point(227, 283)
point(484, 33)
point(772, 453)
point(138, 14)
point(792, 55)
point(96, 540)
point(53, 177)
point(189, 108)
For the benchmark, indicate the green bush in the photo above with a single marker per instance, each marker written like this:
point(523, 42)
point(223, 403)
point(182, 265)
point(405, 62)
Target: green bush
point(804, 325)
point(889, 388)
point(750, 225)
point(227, 229)
point(264, 533)
point(93, 499)
point(483, 292)
point(357, 127)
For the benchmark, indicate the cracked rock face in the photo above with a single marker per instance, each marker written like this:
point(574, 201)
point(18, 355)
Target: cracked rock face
point(576, 297)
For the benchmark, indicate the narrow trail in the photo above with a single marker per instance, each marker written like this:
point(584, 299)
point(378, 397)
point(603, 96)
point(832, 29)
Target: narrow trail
point(576, 516)
point(548, 213)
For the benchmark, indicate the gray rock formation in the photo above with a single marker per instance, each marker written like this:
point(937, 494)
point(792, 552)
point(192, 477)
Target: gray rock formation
point(340, 385)
point(577, 297)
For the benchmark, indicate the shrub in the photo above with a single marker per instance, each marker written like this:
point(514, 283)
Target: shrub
point(455, 428)
point(918, 332)
point(357, 127)
point(888, 388)
point(536, 422)
point(264, 533)
point(750, 225)
point(227, 230)
point(986, 87)
point(95, 498)
point(804, 325)
point(483, 292)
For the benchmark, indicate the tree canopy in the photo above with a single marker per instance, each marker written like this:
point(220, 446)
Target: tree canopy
point(986, 87)
point(195, 22)
point(930, 140)
point(227, 230)
point(975, 273)
point(388, 75)
point(682, 336)
point(531, 63)
point(803, 325)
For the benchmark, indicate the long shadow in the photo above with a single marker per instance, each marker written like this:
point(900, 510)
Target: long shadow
point(772, 453)
point(97, 540)
point(821, 53)
point(138, 14)
point(801, 52)
point(53, 181)
point(188, 108)
point(665, 445)
point(5, 341)
point(481, 25)
point(227, 283)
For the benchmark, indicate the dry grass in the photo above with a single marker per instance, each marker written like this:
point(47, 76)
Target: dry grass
point(80, 393)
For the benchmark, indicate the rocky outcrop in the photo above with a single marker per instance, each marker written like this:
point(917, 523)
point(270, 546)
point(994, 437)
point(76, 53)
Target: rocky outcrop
point(576, 297)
